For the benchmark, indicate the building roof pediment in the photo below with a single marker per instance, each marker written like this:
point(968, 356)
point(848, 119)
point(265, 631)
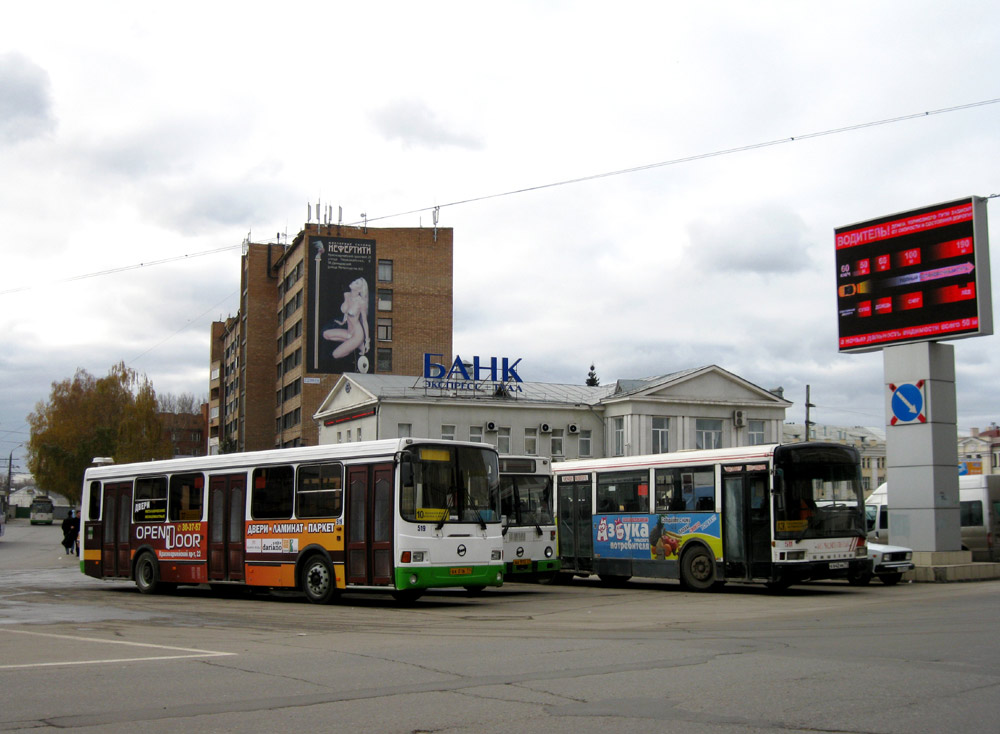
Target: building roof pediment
point(693, 384)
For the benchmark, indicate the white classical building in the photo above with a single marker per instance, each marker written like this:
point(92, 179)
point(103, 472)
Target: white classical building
point(704, 407)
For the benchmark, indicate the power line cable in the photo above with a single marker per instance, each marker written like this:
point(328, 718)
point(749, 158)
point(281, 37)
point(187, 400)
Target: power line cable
point(567, 182)
point(688, 159)
point(124, 268)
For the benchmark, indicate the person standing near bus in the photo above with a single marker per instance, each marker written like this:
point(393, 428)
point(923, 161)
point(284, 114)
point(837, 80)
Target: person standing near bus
point(71, 530)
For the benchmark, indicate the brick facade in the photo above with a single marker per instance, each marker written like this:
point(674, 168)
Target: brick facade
point(262, 394)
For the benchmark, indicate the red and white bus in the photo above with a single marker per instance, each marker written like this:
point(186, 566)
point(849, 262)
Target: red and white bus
point(401, 515)
point(777, 514)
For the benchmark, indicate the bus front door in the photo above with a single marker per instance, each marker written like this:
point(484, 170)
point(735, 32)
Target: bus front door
point(116, 530)
point(226, 528)
point(746, 539)
point(369, 530)
point(575, 523)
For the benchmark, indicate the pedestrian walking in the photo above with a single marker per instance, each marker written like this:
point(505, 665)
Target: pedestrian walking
point(71, 531)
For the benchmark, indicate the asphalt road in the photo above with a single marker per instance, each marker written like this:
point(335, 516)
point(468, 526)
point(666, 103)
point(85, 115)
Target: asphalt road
point(92, 656)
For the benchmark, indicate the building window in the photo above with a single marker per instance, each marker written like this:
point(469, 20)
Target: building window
point(448, 432)
point(708, 433)
point(383, 330)
point(503, 440)
point(531, 441)
point(585, 437)
point(383, 357)
point(557, 441)
point(661, 435)
point(476, 434)
point(618, 436)
point(404, 430)
point(755, 432)
point(385, 271)
point(384, 299)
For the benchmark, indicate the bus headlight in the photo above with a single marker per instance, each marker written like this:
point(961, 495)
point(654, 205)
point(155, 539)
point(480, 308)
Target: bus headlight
point(548, 551)
point(496, 554)
point(418, 556)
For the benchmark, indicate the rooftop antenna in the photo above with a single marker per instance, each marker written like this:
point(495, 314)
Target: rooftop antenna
point(364, 218)
point(309, 212)
point(437, 210)
point(340, 215)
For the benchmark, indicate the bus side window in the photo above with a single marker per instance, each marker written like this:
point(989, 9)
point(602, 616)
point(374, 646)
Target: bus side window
point(94, 510)
point(186, 497)
point(320, 491)
point(150, 501)
point(273, 493)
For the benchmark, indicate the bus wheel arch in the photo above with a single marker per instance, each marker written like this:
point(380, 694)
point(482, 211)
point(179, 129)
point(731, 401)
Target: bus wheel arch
point(317, 578)
point(698, 571)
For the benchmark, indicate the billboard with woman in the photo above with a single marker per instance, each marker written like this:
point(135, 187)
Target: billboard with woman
point(341, 305)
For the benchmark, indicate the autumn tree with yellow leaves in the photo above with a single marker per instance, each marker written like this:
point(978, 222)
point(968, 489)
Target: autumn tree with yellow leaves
point(86, 417)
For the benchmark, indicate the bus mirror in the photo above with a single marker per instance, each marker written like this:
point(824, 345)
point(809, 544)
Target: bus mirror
point(406, 471)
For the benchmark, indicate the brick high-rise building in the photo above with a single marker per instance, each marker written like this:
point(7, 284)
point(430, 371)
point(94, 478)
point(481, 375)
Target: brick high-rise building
point(337, 299)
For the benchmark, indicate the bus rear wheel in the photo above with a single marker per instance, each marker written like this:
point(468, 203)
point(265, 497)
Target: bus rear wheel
point(147, 575)
point(319, 583)
point(698, 569)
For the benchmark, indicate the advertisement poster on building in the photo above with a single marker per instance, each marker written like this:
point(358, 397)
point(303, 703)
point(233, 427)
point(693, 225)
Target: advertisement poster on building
point(341, 305)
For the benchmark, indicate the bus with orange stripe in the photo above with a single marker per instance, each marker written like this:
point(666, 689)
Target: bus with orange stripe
point(399, 516)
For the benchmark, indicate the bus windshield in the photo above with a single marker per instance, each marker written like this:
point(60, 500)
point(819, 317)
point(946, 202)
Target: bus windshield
point(817, 492)
point(450, 484)
point(527, 500)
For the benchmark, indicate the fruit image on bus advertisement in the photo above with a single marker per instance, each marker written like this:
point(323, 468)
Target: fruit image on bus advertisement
point(656, 537)
point(915, 276)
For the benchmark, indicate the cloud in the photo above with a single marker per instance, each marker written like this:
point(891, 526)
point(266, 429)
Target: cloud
point(415, 124)
point(766, 239)
point(25, 100)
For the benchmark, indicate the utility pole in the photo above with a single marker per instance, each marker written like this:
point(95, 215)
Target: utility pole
point(809, 423)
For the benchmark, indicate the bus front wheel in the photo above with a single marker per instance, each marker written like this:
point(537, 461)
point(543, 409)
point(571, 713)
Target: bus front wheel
point(698, 569)
point(318, 580)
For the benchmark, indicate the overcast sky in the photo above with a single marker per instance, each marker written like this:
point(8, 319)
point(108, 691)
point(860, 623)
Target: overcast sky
point(152, 134)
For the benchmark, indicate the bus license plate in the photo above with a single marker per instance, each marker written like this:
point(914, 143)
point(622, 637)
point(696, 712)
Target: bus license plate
point(839, 564)
point(461, 571)
point(521, 563)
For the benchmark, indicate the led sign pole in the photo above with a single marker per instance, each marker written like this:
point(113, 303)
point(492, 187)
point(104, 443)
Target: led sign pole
point(905, 282)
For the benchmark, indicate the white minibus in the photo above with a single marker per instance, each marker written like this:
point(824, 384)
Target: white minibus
point(979, 504)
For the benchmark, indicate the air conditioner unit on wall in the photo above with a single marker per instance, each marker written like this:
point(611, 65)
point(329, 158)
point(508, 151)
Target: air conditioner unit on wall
point(545, 428)
point(491, 426)
point(739, 417)
point(572, 428)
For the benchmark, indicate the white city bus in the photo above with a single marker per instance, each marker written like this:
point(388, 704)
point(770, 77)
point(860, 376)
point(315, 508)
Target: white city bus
point(401, 515)
point(777, 514)
point(42, 510)
point(526, 504)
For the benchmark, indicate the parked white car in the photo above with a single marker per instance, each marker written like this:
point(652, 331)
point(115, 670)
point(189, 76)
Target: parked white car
point(889, 563)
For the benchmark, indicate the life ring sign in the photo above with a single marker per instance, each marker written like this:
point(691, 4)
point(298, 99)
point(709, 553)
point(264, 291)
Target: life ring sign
point(907, 403)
